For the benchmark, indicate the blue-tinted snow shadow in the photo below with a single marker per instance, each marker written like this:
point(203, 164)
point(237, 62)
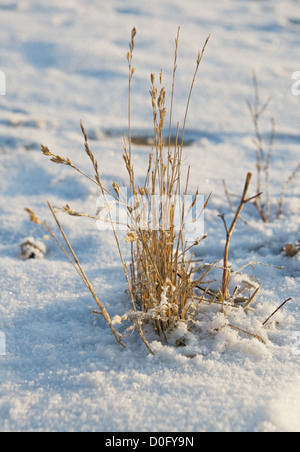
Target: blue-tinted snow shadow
point(9, 6)
point(44, 55)
point(41, 54)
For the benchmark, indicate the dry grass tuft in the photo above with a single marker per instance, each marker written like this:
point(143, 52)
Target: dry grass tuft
point(164, 284)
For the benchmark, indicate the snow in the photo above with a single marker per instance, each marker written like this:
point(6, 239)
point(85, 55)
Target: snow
point(64, 62)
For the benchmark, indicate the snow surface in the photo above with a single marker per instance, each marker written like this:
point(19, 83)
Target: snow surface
point(65, 61)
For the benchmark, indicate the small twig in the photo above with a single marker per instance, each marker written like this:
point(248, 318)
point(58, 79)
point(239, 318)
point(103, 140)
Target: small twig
point(229, 232)
point(289, 299)
point(287, 183)
point(263, 158)
point(253, 263)
point(251, 299)
point(267, 167)
point(247, 332)
point(222, 216)
point(230, 202)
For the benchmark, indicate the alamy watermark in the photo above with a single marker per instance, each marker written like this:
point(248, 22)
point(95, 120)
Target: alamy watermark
point(296, 85)
point(152, 213)
point(2, 343)
point(2, 84)
point(296, 343)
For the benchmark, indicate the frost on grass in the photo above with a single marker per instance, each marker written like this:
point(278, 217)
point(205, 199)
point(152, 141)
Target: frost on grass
point(167, 291)
point(211, 337)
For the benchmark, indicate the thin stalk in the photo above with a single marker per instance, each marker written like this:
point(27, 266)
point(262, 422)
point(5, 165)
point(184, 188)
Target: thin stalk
point(86, 280)
point(200, 55)
point(229, 232)
point(276, 310)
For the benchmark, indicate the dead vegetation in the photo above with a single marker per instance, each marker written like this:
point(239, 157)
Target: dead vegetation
point(164, 283)
point(264, 155)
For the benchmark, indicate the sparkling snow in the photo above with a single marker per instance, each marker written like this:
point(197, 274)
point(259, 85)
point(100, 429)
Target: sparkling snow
point(62, 369)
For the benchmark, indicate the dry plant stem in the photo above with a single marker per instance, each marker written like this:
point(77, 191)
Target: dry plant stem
point(251, 300)
point(267, 170)
point(131, 70)
point(289, 181)
point(173, 87)
point(200, 55)
point(155, 264)
point(161, 272)
point(159, 281)
point(276, 310)
point(47, 228)
point(246, 332)
point(263, 158)
point(230, 202)
point(66, 161)
point(138, 322)
point(86, 280)
point(253, 263)
point(91, 157)
point(229, 232)
point(104, 191)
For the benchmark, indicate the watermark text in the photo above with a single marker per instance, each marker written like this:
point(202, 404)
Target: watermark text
point(2, 344)
point(152, 213)
point(296, 84)
point(2, 84)
point(296, 343)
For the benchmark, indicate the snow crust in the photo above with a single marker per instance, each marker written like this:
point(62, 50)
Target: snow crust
point(64, 62)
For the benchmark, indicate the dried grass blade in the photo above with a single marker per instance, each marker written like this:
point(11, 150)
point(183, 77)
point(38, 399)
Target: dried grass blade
point(86, 280)
point(246, 332)
point(276, 310)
